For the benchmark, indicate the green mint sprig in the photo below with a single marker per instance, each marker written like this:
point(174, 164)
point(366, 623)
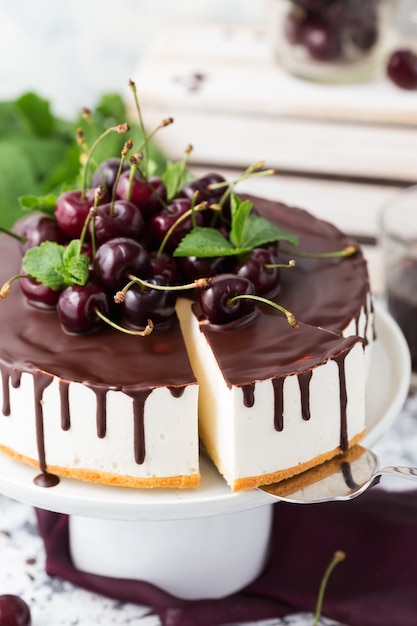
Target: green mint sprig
point(45, 204)
point(247, 232)
point(57, 266)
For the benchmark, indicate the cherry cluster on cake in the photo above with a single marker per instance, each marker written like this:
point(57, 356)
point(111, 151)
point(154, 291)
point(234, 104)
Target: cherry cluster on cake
point(120, 249)
point(326, 27)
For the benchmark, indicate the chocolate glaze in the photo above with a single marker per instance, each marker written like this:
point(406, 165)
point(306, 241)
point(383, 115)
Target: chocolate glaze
point(327, 293)
point(32, 341)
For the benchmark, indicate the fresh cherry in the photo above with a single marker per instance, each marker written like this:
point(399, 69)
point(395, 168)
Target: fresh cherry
point(77, 308)
point(402, 68)
point(71, 211)
point(193, 267)
point(118, 219)
point(117, 258)
point(160, 224)
point(106, 173)
point(215, 299)
point(264, 279)
point(14, 611)
point(38, 227)
point(164, 265)
point(140, 193)
point(39, 295)
point(206, 194)
point(143, 303)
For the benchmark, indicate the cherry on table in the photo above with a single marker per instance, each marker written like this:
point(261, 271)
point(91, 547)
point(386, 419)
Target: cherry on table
point(14, 611)
point(402, 68)
point(321, 40)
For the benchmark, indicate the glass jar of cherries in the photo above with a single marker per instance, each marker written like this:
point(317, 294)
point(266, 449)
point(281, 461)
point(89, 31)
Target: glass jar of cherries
point(331, 40)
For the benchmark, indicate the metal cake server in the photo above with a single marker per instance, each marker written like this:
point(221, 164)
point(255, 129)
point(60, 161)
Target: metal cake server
point(343, 478)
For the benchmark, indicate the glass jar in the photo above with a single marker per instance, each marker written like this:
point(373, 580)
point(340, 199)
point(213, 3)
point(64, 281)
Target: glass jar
point(331, 40)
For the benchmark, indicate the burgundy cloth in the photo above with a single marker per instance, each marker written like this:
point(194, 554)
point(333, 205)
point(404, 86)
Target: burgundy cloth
point(376, 585)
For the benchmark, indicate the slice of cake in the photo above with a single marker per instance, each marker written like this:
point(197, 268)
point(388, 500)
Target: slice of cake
point(274, 400)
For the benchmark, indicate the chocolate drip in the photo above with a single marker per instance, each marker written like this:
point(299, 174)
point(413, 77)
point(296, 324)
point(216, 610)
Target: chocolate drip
point(176, 392)
point(101, 409)
point(347, 476)
point(46, 480)
point(139, 397)
point(65, 412)
point(40, 381)
point(340, 360)
point(278, 386)
point(248, 394)
point(304, 382)
point(5, 377)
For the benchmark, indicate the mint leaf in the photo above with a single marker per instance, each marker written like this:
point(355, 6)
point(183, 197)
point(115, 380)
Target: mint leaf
point(175, 177)
point(41, 263)
point(46, 204)
point(205, 242)
point(57, 266)
point(241, 210)
point(258, 231)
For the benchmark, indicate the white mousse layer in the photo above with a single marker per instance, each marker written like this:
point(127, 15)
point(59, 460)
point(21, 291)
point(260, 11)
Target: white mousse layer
point(243, 441)
point(170, 434)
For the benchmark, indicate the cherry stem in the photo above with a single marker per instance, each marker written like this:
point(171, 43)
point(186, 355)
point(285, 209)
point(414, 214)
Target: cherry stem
point(203, 206)
point(12, 234)
point(5, 289)
point(120, 128)
point(290, 316)
point(134, 280)
point(141, 333)
point(337, 558)
point(165, 122)
point(135, 161)
point(141, 124)
point(271, 266)
point(126, 148)
point(348, 251)
point(251, 172)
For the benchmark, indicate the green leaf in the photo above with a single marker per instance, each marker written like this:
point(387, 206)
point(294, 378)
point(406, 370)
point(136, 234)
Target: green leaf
point(37, 113)
point(205, 242)
point(241, 211)
point(175, 177)
point(46, 204)
point(42, 263)
point(258, 231)
point(57, 266)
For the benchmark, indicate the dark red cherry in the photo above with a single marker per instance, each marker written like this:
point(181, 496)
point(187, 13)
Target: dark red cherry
point(402, 68)
point(106, 173)
point(14, 611)
point(160, 224)
point(215, 299)
point(321, 40)
point(148, 196)
point(77, 305)
point(39, 295)
point(122, 219)
point(164, 265)
point(206, 194)
point(193, 267)
point(265, 280)
point(117, 258)
point(71, 211)
point(38, 227)
point(143, 303)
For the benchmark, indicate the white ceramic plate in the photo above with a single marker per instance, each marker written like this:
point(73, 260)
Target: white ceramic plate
point(386, 393)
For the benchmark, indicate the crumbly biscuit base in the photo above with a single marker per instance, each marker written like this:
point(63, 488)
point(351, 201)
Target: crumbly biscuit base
point(107, 478)
point(251, 482)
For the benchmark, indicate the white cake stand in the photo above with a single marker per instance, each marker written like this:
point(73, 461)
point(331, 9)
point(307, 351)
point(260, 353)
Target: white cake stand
point(196, 543)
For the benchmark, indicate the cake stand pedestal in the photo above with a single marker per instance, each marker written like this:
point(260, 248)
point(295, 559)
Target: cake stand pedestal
point(193, 543)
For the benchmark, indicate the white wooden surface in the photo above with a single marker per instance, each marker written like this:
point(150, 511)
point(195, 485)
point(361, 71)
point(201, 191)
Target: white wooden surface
point(339, 151)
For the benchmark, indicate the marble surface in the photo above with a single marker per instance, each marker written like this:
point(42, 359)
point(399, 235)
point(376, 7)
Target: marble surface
point(54, 602)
